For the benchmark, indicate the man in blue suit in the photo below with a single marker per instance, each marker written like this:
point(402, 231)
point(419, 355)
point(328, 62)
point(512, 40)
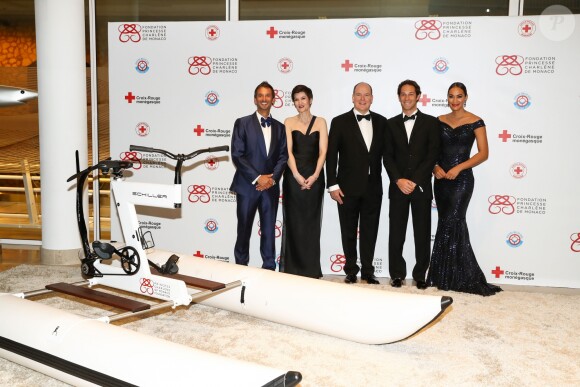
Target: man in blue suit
point(259, 153)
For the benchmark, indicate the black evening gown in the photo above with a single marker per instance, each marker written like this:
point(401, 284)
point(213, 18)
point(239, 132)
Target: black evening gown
point(302, 209)
point(453, 263)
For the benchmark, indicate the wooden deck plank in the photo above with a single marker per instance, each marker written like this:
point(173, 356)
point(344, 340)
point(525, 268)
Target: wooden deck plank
point(192, 281)
point(97, 296)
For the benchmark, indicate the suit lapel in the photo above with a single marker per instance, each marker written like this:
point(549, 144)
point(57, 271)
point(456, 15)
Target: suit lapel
point(274, 129)
point(416, 127)
point(376, 138)
point(401, 130)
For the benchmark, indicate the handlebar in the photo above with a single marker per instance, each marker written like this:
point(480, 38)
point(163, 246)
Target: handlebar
point(179, 157)
point(105, 166)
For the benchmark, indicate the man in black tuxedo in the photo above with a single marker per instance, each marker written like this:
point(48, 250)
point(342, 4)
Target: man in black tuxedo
point(353, 169)
point(411, 149)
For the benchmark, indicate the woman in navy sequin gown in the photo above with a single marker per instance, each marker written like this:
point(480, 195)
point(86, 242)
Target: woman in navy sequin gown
point(303, 188)
point(453, 263)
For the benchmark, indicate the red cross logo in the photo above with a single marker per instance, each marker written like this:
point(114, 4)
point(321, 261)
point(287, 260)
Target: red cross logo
point(198, 130)
point(518, 170)
point(424, 100)
point(142, 129)
point(211, 162)
point(272, 31)
point(130, 97)
point(198, 254)
point(497, 272)
point(504, 136)
point(347, 65)
point(526, 28)
point(212, 32)
point(285, 65)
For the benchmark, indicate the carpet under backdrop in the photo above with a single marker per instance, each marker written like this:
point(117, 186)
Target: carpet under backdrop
point(511, 339)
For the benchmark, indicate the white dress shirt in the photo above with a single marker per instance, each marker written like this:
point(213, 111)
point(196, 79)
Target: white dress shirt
point(409, 125)
point(366, 129)
point(267, 131)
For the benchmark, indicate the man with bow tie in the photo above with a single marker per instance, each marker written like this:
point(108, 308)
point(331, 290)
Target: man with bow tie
point(259, 154)
point(411, 150)
point(353, 168)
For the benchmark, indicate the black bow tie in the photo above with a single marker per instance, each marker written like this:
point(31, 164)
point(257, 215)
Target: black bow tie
point(409, 117)
point(359, 117)
point(266, 121)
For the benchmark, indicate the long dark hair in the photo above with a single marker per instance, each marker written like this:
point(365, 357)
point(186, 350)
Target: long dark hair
point(460, 85)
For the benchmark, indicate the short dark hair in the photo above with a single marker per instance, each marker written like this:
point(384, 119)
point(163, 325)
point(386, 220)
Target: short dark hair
point(362, 83)
point(410, 83)
point(266, 85)
point(302, 89)
point(458, 84)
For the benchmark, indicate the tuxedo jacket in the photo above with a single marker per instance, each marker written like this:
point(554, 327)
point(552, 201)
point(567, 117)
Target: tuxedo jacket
point(348, 161)
point(249, 153)
point(415, 158)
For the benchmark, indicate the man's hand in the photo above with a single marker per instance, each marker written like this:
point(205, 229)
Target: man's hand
point(406, 186)
point(264, 182)
point(337, 195)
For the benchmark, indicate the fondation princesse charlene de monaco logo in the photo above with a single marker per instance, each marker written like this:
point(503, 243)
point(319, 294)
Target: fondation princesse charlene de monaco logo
point(501, 204)
point(509, 65)
point(133, 157)
point(337, 262)
point(199, 193)
point(575, 238)
point(199, 65)
point(129, 33)
point(428, 29)
point(144, 160)
point(277, 228)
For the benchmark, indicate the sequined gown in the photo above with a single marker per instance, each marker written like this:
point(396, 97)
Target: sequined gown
point(302, 209)
point(453, 263)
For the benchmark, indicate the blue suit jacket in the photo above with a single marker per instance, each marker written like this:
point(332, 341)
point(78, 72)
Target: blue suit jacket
point(249, 153)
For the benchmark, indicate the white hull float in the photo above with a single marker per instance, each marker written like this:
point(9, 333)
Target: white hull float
point(82, 351)
point(51, 341)
point(361, 314)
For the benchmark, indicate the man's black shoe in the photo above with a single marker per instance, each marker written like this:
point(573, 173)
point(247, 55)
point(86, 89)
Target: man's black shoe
point(422, 285)
point(370, 279)
point(396, 282)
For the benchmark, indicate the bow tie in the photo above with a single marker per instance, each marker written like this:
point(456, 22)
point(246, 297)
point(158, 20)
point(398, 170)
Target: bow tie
point(409, 117)
point(359, 117)
point(266, 121)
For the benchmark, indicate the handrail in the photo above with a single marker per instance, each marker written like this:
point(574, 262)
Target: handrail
point(27, 177)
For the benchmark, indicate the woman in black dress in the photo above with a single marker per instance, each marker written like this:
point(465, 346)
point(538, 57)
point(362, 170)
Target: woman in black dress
point(303, 188)
point(453, 263)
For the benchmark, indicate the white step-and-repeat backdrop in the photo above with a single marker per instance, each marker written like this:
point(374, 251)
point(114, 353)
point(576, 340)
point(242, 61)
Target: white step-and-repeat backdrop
point(180, 86)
